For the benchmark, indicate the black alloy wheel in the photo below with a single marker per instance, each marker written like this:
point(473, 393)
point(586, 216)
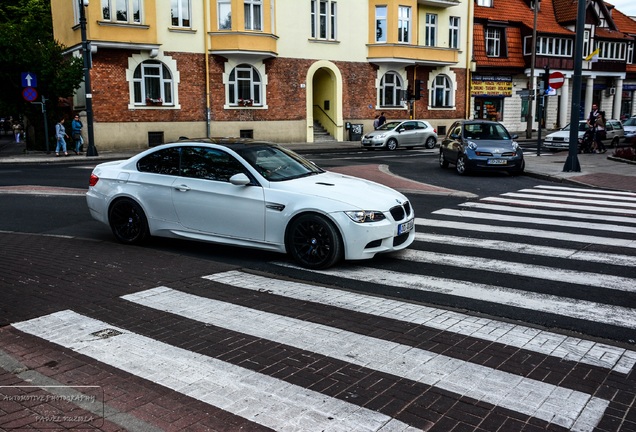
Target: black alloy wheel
point(314, 242)
point(128, 221)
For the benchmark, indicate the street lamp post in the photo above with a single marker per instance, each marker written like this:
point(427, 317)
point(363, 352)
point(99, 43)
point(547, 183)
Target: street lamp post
point(91, 150)
point(532, 91)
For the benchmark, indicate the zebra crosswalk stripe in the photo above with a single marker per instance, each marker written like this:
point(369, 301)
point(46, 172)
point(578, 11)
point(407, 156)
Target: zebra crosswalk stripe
point(528, 338)
point(257, 397)
point(548, 402)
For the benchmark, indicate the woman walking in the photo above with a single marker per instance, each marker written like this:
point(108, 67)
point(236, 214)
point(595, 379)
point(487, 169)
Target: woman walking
point(60, 135)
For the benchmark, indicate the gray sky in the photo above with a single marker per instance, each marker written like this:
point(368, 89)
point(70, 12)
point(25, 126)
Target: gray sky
point(628, 7)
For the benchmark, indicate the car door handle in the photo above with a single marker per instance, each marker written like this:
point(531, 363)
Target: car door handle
point(182, 188)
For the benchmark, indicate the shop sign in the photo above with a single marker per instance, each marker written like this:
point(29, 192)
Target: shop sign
point(491, 85)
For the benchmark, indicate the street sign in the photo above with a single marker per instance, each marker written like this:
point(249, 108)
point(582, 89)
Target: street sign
point(29, 79)
point(29, 94)
point(556, 80)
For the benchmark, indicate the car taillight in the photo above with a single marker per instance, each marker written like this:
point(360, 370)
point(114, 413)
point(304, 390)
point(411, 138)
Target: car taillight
point(434, 130)
point(93, 180)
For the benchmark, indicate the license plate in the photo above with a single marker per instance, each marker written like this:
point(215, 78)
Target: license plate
point(497, 161)
point(406, 227)
point(366, 142)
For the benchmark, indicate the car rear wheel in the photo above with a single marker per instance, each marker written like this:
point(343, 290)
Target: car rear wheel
point(442, 160)
point(391, 144)
point(314, 242)
point(460, 165)
point(615, 141)
point(128, 221)
point(430, 143)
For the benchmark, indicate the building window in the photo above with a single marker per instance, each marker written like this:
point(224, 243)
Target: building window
point(253, 15)
point(152, 84)
point(128, 11)
point(380, 23)
point(430, 31)
point(391, 90)
point(323, 19)
point(224, 14)
point(244, 86)
point(404, 24)
point(180, 13)
point(487, 3)
point(453, 32)
point(441, 92)
point(493, 42)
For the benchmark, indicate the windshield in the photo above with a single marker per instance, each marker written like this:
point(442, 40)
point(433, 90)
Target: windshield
point(277, 163)
point(389, 125)
point(486, 131)
point(630, 122)
point(582, 127)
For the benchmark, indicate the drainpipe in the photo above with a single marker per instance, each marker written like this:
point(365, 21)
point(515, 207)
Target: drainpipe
point(206, 19)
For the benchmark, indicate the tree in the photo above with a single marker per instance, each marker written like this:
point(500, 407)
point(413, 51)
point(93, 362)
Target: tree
point(27, 45)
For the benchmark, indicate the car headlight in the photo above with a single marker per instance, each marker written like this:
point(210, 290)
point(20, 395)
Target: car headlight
point(362, 216)
point(472, 145)
point(515, 145)
point(380, 136)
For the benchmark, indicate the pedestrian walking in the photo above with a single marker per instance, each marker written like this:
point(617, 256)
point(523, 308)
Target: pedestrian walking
point(382, 119)
point(60, 135)
point(596, 121)
point(376, 121)
point(76, 133)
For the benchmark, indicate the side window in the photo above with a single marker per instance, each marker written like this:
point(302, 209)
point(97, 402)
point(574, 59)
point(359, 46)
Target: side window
point(441, 93)
point(409, 126)
point(209, 164)
point(180, 13)
point(164, 161)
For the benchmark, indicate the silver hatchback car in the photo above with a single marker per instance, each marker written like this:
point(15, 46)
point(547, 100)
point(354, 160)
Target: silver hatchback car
point(407, 133)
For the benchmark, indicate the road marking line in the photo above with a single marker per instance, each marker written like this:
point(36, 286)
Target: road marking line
point(544, 401)
point(561, 206)
point(262, 399)
point(527, 232)
point(527, 338)
point(532, 196)
point(580, 193)
point(595, 191)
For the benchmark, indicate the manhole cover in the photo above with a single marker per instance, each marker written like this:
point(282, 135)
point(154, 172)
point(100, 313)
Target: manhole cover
point(106, 333)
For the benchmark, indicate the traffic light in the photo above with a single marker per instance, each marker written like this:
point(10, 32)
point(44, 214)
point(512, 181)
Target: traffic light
point(418, 91)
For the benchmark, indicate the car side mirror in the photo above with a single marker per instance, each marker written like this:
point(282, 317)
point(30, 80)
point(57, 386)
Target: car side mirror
point(454, 136)
point(400, 130)
point(240, 179)
point(515, 136)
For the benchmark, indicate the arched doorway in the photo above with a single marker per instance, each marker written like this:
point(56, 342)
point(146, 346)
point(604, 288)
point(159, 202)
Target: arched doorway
point(324, 99)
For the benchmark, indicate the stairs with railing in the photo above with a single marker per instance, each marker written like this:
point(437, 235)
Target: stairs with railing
point(321, 134)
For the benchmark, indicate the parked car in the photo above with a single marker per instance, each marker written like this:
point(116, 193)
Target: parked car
point(407, 133)
point(253, 194)
point(560, 140)
point(629, 130)
point(481, 145)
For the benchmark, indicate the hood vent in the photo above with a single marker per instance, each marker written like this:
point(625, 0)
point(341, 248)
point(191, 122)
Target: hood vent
point(325, 184)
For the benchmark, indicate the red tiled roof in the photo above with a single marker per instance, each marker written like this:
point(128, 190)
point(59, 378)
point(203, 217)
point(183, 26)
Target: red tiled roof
point(565, 11)
point(518, 11)
point(622, 21)
point(514, 46)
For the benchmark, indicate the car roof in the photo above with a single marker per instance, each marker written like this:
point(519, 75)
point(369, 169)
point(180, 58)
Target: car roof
point(235, 143)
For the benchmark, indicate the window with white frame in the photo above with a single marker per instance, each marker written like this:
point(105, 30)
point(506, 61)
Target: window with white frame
point(380, 23)
point(244, 86)
point(224, 13)
point(391, 90)
point(180, 13)
point(404, 24)
point(126, 11)
point(550, 46)
point(323, 19)
point(152, 84)
point(453, 32)
point(253, 14)
point(612, 51)
point(487, 3)
point(430, 30)
point(442, 91)
point(493, 42)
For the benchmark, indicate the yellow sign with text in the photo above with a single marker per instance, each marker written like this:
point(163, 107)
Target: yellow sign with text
point(491, 86)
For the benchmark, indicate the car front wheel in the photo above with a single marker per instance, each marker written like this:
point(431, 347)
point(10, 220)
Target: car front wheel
point(391, 144)
point(314, 242)
point(460, 165)
point(128, 221)
point(430, 143)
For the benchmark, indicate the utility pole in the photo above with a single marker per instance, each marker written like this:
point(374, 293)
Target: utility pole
point(531, 90)
point(86, 52)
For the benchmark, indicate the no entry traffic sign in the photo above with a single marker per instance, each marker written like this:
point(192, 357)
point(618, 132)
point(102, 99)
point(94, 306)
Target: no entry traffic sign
point(555, 80)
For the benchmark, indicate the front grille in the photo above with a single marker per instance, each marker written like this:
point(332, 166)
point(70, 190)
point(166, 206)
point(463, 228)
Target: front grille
point(401, 211)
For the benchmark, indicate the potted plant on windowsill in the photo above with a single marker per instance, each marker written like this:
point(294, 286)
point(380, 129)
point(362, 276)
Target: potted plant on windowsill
point(246, 102)
point(154, 102)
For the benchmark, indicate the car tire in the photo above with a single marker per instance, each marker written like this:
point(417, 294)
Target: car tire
point(391, 144)
point(460, 165)
point(442, 160)
point(430, 143)
point(128, 221)
point(615, 142)
point(518, 170)
point(314, 242)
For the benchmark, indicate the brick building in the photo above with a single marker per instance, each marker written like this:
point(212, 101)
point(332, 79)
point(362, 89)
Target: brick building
point(271, 69)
